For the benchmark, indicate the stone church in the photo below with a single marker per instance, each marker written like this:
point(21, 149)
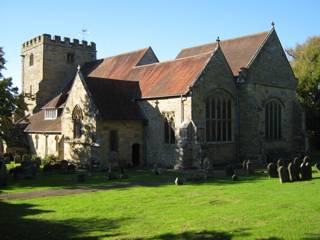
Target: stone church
point(224, 102)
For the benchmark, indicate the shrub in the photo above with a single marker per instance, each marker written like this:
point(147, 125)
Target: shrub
point(49, 159)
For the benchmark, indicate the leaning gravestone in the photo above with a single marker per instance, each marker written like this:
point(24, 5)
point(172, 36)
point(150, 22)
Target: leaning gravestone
point(283, 174)
point(308, 171)
point(3, 174)
point(178, 181)
point(293, 172)
point(244, 164)
point(235, 178)
point(303, 171)
point(272, 170)
point(280, 163)
point(249, 167)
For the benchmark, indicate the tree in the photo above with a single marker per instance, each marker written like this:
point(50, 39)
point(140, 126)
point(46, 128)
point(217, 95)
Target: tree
point(305, 61)
point(10, 101)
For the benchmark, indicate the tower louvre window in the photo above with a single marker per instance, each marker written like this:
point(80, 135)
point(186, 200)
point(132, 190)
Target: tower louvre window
point(70, 58)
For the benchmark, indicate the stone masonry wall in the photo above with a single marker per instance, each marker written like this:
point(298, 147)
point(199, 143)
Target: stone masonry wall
point(157, 151)
point(53, 144)
point(269, 77)
point(216, 79)
point(129, 133)
point(79, 149)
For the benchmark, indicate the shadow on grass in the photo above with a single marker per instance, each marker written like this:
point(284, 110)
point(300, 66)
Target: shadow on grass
point(312, 236)
point(203, 235)
point(16, 222)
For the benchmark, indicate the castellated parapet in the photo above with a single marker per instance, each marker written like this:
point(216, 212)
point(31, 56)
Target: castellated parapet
point(57, 40)
point(49, 63)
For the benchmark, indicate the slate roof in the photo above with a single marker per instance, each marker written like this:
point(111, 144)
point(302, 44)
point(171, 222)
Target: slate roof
point(238, 51)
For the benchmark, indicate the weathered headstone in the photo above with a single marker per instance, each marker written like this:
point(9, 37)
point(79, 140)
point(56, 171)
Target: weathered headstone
point(64, 166)
point(3, 174)
point(293, 172)
point(303, 171)
point(283, 174)
point(244, 164)
point(272, 170)
point(156, 170)
point(249, 167)
point(308, 170)
point(306, 159)
point(235, 177)
point(178, 181)
point(122, 175)
point(280, 163)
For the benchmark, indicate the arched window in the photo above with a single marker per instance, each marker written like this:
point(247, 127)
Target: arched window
point(219, 119)
point(31, 59)
point(273, 111)
point(169, 134)
point(77, 121)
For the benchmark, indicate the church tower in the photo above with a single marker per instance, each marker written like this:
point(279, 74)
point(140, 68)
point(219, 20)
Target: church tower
point(48, 64)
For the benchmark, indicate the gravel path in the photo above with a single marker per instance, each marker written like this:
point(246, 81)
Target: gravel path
point(76, 190)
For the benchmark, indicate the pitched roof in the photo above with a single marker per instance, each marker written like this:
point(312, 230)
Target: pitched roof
point(37, 123)
point(238, 51)
point(115, 67)
point(115, 99)
point(169, 78)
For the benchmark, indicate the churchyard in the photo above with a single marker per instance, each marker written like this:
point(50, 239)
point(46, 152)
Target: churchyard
point(243, 203)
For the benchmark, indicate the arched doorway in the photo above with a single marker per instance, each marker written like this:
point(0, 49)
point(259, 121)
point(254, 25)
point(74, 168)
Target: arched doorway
point(136, 154)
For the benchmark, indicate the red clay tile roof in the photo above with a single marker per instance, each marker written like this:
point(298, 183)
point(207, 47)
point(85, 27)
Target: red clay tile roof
point(115, 67)
point(238, 51)
point(115, 99)
point(38, 124)
point(169, 78)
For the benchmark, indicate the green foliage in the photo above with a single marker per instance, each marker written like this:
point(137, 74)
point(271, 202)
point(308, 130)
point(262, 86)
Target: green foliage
point(306, 66)
point(34, 157)
point(10, 101)
point(49, 159)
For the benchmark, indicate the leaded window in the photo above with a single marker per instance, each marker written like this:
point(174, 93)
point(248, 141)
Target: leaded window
point(219, 119)
point(273, 116)
point(169, 134)
point(77, 122)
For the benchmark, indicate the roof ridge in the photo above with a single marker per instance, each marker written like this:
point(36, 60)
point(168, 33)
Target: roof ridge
point(226, 40)
point(125, 53)
point(174, 60)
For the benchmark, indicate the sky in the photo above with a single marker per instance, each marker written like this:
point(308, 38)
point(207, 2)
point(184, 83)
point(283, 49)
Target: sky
point(167, 26)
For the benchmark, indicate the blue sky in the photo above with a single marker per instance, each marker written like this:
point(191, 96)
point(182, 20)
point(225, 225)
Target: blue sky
point(166, 25)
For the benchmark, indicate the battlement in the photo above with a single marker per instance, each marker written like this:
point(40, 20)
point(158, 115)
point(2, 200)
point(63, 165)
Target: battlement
point(48, 39)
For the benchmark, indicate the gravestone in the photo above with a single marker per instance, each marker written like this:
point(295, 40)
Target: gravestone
point(283, 174)
point(303, 171)
point(3, 174)
point(249, 167)
point(178, 181)
point(156, 170)
point(235, 177)
point(306, 159)
point(272, 170)
point(308, 170)
point(64, 166)
point(280, 163)
point(244, 164)
point(293, 172)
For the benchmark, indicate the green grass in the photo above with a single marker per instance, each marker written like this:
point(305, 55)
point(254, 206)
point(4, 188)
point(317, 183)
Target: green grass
point(256, 207)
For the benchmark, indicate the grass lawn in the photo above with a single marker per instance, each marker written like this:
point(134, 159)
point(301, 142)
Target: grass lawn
point(256, 207)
